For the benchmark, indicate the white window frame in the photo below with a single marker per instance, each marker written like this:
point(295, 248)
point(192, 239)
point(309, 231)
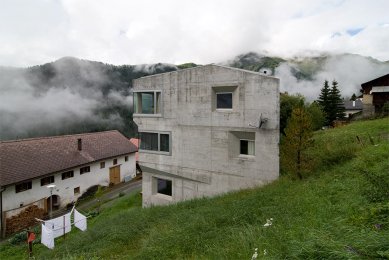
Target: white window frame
point(248, 141)
point(159, 142)
point(157, 103)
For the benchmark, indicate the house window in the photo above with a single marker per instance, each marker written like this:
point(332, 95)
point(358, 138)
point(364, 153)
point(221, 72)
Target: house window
point(67, 175)
point(224, 100)
point(47, 180)
point(126, 158)
point(84, 169)
point(23, 186)
point(147, 102)
point(77, 191)
point(102, 165)
point(164, 187)
point(159, 142)
point(247, 147)
point(115, 161)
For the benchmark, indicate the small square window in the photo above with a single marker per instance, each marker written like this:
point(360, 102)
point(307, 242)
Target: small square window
point(164, 187)
point(247, 147)
point(224, 100)
point(102, 165)
point(77, 191)
point(126, 158)
point(115, 161)
point(84, 169)
point(66, 175)
point(47, 180)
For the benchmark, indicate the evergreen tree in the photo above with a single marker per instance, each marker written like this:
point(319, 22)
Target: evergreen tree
point(337, 110)
point(298, 138)
point(324, 101)
point(353, 97)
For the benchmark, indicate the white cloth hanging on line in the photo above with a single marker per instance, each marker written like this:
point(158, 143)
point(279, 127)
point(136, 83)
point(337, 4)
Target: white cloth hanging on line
point(60, 225)
point(79, 220)
point(47, 237)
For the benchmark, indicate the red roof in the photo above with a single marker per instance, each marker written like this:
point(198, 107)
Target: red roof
point(27, 159)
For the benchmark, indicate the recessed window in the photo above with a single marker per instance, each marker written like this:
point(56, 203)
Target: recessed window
point(77, 191)
point(159, 142)
point(47, 180)
point(147, 102)
point(126, 158)
point(164, 187)
point(84, 169)
point(102, 165)
point(67, 175)
point(115, 161)
point(23, 186)
point(247, 147)
point(224, 100)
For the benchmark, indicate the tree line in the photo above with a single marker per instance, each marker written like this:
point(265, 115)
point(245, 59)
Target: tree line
point(299, 119)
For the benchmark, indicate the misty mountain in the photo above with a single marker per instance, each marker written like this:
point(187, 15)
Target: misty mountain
point(69, 96)
point(73, 96)
point(306, 74)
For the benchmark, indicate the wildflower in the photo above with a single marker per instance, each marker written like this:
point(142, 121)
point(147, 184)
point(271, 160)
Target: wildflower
point(264, 252)
point(255, 255)
point(268, 222)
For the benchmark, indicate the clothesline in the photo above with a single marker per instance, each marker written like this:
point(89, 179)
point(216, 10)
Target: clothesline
point(59, 226)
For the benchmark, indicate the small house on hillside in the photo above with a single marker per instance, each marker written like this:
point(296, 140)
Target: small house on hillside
point(352, 107)
point(205, 131)
point(375, 95)
point(73, 163)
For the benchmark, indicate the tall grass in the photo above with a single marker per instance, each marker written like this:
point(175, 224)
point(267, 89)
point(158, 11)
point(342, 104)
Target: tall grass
point(327, 216)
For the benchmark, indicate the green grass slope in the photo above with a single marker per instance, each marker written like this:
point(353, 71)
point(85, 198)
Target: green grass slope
point(339, 212)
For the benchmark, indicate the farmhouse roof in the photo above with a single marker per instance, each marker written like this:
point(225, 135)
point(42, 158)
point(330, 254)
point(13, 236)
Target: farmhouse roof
point(26, 159)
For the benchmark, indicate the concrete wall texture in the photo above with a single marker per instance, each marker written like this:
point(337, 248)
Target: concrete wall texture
point(205, 157)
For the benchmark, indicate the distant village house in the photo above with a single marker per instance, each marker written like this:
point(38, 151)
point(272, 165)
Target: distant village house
point(375, 95)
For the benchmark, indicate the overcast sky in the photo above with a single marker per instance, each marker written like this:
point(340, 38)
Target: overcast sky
point(176, 31)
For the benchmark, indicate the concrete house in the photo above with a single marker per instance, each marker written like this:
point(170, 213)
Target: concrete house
point(375, 95)
point(73, 163)
point(205, 131)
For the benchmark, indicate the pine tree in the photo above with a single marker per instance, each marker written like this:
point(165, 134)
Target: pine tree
point(298, 138)
point(324, 101)
point(337, 110)
point(353, 97)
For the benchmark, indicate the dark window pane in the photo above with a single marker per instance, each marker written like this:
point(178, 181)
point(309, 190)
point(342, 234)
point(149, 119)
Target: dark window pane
point(224, 100)
point(244, 147)
point(149, 141)
point(164, 187)
point(147, 103)
point(164, 139)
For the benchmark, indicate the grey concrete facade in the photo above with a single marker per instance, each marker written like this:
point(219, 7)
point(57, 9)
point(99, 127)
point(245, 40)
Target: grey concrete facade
point(205, 142)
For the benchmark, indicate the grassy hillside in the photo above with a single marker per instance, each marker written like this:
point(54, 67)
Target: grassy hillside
point(340, 212)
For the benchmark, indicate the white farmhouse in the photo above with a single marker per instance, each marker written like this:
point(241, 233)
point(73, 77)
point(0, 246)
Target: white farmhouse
point(73, 163)
point(206, 130)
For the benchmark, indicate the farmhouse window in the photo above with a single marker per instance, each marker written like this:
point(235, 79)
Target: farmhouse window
point(102, 165)
point(23, 186)
point(77, 191)
point(84, 169)
point(47, 180)
point(147, 102)
point(115, 161)
point(67, 175)
point(126, 158)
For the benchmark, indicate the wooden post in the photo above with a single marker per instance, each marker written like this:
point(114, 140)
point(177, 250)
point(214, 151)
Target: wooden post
point(64, 228)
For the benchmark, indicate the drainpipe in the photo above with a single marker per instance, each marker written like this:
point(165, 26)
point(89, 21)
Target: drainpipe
point(1, 212)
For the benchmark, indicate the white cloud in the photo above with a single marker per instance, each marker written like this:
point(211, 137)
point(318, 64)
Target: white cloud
point(173, 31)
